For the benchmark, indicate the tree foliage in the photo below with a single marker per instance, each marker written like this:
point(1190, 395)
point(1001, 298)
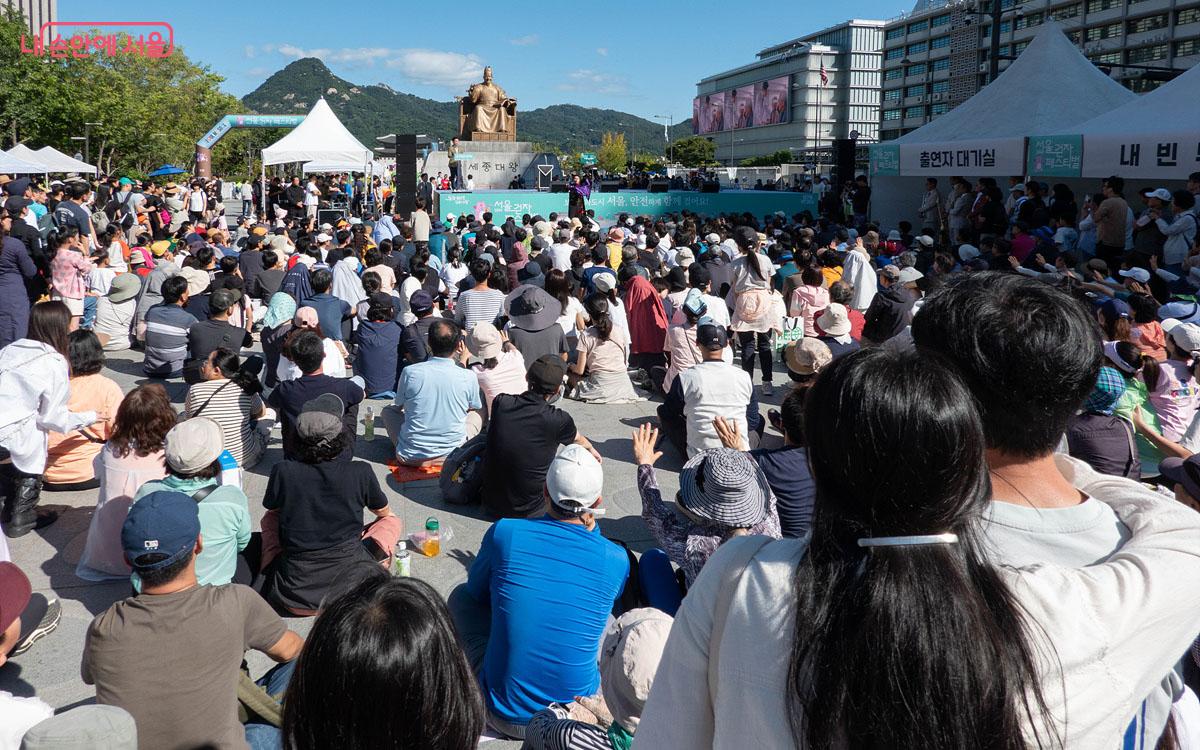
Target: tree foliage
point(152, 109)
point(782, 156)
point(693, 151)
point(613, 154)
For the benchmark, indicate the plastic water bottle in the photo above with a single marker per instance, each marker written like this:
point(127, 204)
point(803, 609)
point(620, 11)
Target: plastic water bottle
point(401, 561)
point(369, 425)
point(433, 538)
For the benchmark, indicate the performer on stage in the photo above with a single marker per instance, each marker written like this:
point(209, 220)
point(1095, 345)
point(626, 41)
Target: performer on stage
point(578, 193)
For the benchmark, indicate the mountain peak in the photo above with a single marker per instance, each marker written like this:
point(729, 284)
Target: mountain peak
point(306, 66)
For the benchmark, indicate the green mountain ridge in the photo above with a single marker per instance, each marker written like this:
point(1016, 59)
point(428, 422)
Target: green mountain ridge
point(378, 109)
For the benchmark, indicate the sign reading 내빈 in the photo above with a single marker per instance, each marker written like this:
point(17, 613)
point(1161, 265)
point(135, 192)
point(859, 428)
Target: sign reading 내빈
point(998, 156)
point(1157, 156)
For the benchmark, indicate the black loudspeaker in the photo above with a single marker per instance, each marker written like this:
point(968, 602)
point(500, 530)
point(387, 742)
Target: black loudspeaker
point(558, 186)
point(406, 174)
point(330, 215)
point(658, 186)
point(843, 160)
point(711, 186)
point(610, 186)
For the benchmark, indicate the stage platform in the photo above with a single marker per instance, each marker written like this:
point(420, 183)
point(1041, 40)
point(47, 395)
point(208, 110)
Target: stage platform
point(504, 203)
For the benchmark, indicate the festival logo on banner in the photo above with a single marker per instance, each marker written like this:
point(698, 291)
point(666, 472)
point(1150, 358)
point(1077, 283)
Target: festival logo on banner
point(153, 39)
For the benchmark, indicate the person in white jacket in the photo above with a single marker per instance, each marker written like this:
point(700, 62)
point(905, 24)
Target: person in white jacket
point(34, 389)
point(858, 273)
point(1181, 231)
point(890, 626)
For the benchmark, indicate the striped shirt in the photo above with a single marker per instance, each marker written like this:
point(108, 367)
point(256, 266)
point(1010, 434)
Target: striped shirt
point(550, 729)
point(478, 306)
point(233, 409)
point(166, 339)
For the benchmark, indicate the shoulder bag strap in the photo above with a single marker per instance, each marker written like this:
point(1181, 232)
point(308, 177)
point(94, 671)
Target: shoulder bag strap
point(733, 573)
point(208, 400)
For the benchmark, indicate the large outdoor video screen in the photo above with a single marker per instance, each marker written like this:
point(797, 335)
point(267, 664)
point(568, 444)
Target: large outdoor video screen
point(696, 116)
point(743, 107)
point(771, 105)
point(712, 112)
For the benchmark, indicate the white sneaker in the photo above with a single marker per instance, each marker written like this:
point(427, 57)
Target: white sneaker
point(767, 390)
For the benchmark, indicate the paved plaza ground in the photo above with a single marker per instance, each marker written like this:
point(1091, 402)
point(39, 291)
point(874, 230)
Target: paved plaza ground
point(51, 669)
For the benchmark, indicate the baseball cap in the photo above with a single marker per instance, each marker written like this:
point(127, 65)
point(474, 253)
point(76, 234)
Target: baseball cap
point(18, 186)
point(694, 303)
point(546, 372)
point(322, 238)
point(15, 592)
point(14, 204)
point(807, 356)
point(684, 257)
point(1188, 312)
point(420, 301)
point(321, 418)
point(605, 282)
point(193, 445)
point(712, 238)
point(161, 529)
point(1161, 193)
point(223, 299)
point(1185, 471)
point(1137, 274)
point(124, 181)
point(910, 275)
point(575, 480)
point(1114, 308)
point(889, 272)
point(710, 336)
point(925, 240)
point(968, 253)
point(1185, 335)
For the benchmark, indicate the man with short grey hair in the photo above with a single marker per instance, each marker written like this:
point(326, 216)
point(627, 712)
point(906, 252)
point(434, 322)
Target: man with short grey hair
point(561, 250)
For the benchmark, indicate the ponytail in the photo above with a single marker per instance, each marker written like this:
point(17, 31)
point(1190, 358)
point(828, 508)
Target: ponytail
point(597, 309)
point(244, 375)
point(747, 242)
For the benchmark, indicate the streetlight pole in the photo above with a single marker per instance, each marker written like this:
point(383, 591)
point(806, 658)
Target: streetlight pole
point(666, 135)
point(87, 140)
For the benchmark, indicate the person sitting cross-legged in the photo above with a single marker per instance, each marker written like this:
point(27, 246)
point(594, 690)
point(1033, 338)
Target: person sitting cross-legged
point(171, 656)
point(538, 597)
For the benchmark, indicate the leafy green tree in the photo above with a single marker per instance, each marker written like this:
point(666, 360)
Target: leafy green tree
point(612, 156)
point(693, 151)
point(782, 156)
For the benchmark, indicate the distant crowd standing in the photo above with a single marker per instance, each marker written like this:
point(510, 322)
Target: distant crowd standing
point(973, 509)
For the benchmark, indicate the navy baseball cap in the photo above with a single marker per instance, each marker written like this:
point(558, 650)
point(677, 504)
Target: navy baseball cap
point(162, 523)
point(711, 336)
point(420, 301)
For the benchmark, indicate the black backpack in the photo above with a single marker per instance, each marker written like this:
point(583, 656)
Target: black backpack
point(462, 472)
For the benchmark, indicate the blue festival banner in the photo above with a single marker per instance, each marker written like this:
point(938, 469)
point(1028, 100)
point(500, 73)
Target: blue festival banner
point(515, 203)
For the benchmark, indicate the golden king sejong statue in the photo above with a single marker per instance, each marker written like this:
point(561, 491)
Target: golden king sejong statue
point(486, 113)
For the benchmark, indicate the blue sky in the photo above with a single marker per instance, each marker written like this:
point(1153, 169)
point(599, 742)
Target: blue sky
point(640, 57)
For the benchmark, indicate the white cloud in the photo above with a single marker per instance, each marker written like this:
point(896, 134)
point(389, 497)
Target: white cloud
point(524, 41)
point(423, 66)
point(250, 50)
point(595, 82)
point(602, 51)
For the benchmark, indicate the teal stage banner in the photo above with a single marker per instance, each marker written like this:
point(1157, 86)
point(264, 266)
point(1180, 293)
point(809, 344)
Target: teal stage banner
point(515, 203)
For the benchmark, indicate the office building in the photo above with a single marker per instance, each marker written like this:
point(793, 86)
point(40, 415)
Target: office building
point(36, 12)
point(846, 55)
point(938, 55)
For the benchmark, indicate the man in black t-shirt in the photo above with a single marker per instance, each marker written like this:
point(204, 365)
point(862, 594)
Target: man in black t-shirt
point(524, 435)
point(289, 397)
point(206, 336)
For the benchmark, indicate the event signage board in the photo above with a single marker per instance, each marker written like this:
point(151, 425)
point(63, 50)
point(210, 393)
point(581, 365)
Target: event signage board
point(885, 160)
point(229, 122)
point(997, 156)
point(587, 158)
point(1055, 156)
point(504, 203)
point(1157, 156)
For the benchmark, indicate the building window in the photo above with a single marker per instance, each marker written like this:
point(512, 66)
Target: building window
point(1019, 47)
point(1141, 85)
point(1071, 11)
point(939, 87)
point(1107, 31)
point(910, 112)
point(895, 32)
point(916, 26)
point(939, 109)
point(914, 90)
point(1075, 36)
point(1187, 15)
point(1149, 23)
point(1111, 58)
point(940, 42)
point(891, 114)
point(893, 74)
point(1029, 21)
point(941, 20)
point(941, 64)
point(918, 48)
point(916, 70)
point(1187, 47)
point(895, 53)
point(892, 95)
point(1099, 6)
point(1147, 54)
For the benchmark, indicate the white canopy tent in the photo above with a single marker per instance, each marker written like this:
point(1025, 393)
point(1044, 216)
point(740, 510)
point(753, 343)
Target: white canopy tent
point(322, 138)
point(378, 166)
point(1050, 88)
point(12, 164)
point(60, 162)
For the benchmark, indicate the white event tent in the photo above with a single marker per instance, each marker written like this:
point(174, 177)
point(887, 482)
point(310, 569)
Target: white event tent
point(321, 137)
point(57, 161)
point(1049, 88)
point(11, 164)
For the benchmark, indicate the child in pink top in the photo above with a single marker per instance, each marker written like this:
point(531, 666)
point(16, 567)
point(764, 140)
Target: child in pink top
point(809, 300)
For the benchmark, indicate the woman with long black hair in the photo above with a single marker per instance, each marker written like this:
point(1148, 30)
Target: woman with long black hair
point(887, 627)
point(387, 643)
point(229, 393)
point(755, 314)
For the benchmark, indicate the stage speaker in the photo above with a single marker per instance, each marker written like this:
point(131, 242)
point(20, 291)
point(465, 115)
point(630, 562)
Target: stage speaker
point(712, 186)
point(558, 186)
point(843, 160)
point(330, 215)
point(610, 186)
point(405, 188)
point(658, 186)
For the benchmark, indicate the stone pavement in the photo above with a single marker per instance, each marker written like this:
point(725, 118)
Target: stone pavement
point(51, 669)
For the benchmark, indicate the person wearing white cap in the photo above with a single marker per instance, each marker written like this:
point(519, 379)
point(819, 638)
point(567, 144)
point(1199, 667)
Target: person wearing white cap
point(544, 588)
point(1172, 387)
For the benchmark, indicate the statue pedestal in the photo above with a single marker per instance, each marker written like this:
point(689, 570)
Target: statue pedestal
point(495, 164)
